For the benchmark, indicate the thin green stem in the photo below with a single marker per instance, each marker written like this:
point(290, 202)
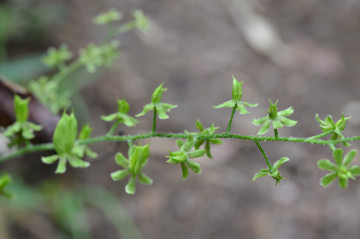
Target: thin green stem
point(263, 153)
point(319, 135)
point(113, 127)
point(154, 121)
point(276, 133)
point(231, 119)
point(122, 138)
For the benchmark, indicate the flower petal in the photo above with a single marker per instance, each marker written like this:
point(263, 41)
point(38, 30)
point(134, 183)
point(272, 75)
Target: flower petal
point(327, 179)
point(326, 165)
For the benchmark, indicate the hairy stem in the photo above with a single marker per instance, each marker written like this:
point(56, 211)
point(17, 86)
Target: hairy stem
point(154, 121)
point(263, 153)
point(231, 119)
point(122, 138)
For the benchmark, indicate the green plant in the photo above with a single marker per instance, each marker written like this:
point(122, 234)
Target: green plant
point(67, 145)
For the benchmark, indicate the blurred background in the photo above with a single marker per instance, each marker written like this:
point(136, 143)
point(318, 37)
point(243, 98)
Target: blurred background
point(304, 53)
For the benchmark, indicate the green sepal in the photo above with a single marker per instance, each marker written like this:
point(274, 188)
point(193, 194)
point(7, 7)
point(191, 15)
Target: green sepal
point(343, 181)
point(279, 162)
point(120, 174)
point(131, 185)
point(121, 160)
point(146, 109)
point(76, 162)
point(327, 179)
point(261, 173)
point(157, 95)
point(195, 167)
point(61, 167)
point(5, 180)
point(325, 164)
point(196, 153)
point(354, 170)
point(184, 170)
point(349, 158)
point(144, 179)
point(50, 159)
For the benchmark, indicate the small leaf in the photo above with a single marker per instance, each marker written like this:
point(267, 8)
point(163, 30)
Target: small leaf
point(157, 95)
point(119, 175)
point(338, 156)
point(146, 109)
point(50, 159)
point(280, 162)
point(199, 125)
point(265, 128)
point(227, 104)
point(145, 179)
point(61, 168)
point(130, 186)
point(180, 143)
point(343, 181)
point(327, 179)
point(78, 163)
point(349, 157)
point(121, 160)
point(185, 171)
point(354, 170)
point(326, 165)
point(261, 173)
point(21, 108)
point(195, 167)
point(196, 153)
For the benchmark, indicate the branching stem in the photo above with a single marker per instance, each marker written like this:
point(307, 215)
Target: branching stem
point(231, 119)
point(263, 153)
point(127, 138)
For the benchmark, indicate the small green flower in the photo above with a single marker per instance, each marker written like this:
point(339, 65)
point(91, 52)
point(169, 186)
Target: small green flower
point(5, 180)
point(57, 57)
point(273, 171)
point(161, 108)
point(208, 142)
point(122, 115)
point(277, 118)
point(138, 157)
point(21, 131)
point(329, 126)
point(341, 169)
point(184, 155)
point(236, 99)
point(110, 16)
point(67, 150)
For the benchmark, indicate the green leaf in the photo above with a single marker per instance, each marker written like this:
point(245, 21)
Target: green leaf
point(338, 156)
point(78, 163)
point(180, 143)
point(195, 167)
point(61, 168)
point(130, 186)
point(326, 165)
point(354, 170)
point(120, 174)
point(327, 179)
point(196, 153)
point(343, 181)
point(207, 149)
point(184, 170)
point(280, 162)
point(227, 104)
point(145, 179)
point(121, 160)
point(265, 128)
point(261, 173)
point(50, 159)
point(199, 125)
point(349, 157)
point(21, 108)
point(146, 109)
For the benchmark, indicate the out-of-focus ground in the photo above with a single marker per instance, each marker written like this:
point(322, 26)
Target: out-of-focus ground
point(304, 53)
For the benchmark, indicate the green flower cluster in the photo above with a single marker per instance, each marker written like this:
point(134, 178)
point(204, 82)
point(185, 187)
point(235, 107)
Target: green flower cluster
point(21, 131)
point(64, 140)
point(184, 155)
point(329, 126)
point(138, 157)
point(273, 171)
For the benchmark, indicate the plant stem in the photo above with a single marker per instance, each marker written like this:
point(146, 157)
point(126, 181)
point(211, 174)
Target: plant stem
point(276, 133)
point(122, 138)
point(154, 121)
point(113, 127)
point(263, 153)
point(231, 119)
